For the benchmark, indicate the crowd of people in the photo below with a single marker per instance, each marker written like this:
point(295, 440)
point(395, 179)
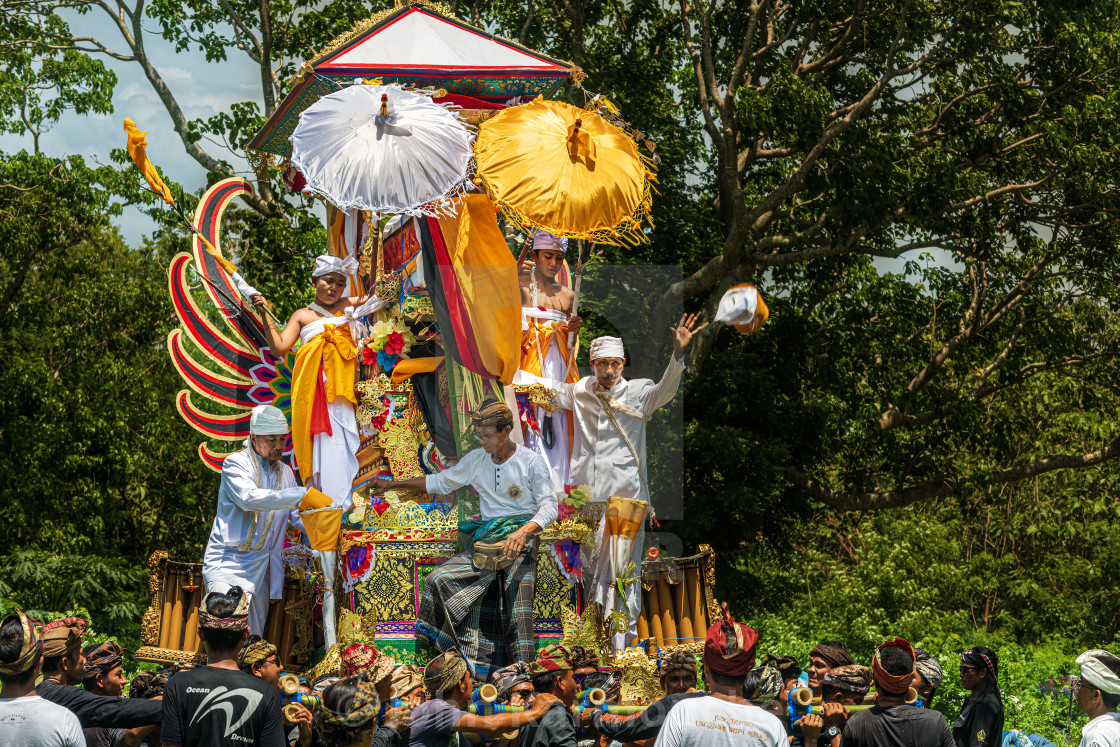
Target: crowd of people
point(55, 691)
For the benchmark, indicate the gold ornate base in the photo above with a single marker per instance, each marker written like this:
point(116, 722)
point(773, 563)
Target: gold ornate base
point(168, 656)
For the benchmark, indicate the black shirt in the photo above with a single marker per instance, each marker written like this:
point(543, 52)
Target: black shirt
point(101, 710)
point(896, 726)
point(555, 729)
point(981, 722)
point(216, 706)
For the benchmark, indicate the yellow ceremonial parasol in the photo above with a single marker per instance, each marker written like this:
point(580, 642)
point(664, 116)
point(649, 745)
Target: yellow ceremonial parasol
point(568, 171)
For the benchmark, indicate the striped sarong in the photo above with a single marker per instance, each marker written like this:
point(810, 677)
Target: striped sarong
point(486, 615)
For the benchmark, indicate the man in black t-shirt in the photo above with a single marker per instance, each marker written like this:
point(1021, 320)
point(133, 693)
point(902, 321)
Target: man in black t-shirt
point(218, 704)
point(892, 722)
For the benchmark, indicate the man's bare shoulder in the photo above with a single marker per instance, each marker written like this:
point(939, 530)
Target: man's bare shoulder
point(303, 317)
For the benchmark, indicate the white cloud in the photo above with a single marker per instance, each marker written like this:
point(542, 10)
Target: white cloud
point(201, 88)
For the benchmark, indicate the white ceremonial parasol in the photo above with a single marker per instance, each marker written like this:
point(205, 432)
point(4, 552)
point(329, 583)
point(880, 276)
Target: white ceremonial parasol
point(383, 149)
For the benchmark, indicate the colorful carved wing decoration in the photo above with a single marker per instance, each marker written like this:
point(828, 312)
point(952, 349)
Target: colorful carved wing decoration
point(220, 351)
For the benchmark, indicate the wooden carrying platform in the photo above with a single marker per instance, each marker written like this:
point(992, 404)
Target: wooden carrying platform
point(678, 602)
point(169, 630)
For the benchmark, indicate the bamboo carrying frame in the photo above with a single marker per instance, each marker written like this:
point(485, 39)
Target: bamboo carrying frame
point(169, 630)
point(678, 602)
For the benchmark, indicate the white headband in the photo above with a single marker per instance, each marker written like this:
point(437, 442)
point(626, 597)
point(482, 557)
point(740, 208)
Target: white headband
point(545, 240)
point(267, 420)
point(607, 347)
point(1097, 673)
point(326, 264)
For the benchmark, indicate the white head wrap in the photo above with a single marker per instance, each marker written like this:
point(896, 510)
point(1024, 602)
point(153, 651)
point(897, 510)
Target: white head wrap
point(738, 305)
point(326, 264)
point(267, 420)
point(1096, 671)
point(545, 240)
point(607, 347)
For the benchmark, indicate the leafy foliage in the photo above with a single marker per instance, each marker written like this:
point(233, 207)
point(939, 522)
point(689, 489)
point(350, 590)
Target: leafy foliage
point(929, 451)
point(94, 464)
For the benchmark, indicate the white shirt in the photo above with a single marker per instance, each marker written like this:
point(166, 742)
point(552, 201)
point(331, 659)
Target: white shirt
point(30, 720)
point(712, 722)
point(238, 498)
point(1103, 731)
point(520, 485)
point(601, 460)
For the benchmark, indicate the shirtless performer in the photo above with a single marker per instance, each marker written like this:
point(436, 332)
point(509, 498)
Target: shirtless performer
point(546, 325)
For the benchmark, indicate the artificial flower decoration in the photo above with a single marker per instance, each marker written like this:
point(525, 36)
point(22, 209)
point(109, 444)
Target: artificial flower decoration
point(137, 148)
point(394, 343)
point(386, 361)
point(578, 496)
point(388, 341)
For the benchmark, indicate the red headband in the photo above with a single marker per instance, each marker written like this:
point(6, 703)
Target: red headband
point(895, 684)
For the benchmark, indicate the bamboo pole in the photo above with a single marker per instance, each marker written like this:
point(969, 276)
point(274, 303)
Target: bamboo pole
point(176, 632)
point(191, 640)
point(654, 616)
point(695, 590)
point(643, 621)
point(665, 608)
point(165, 612)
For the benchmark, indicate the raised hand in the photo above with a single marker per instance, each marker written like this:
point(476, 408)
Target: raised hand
point(683, 332)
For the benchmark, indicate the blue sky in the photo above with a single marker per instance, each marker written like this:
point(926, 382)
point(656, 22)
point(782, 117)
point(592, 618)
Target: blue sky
point(202, 89)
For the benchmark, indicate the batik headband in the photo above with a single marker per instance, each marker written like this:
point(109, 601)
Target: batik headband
point(363, 708)
point(239, 620)
point(28, 650)
point(852, 678)
point(451, 674)
point(104, 658)
point(677, 659)
point(61, 637)
point(255, 653)
point(769, 685)
point(583, 657)
point(929, 668)
point(551, 658)
point(835, 655)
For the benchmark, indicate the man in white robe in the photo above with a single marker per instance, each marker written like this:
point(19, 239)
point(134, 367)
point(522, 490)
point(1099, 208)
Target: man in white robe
point(257, 499)
point(611, 414)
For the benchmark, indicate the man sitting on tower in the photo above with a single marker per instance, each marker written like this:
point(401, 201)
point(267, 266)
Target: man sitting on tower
point(517, 502)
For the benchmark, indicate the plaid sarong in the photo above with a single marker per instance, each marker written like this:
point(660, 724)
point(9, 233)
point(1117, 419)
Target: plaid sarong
point(491, 624)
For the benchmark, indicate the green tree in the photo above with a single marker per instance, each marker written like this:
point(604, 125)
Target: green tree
point(94, 463)
point(800, 144)
point(39, 84)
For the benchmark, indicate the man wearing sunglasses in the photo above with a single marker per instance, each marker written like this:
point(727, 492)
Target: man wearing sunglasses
point(514, 684)
point(1098, 695)
point(261, 659)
